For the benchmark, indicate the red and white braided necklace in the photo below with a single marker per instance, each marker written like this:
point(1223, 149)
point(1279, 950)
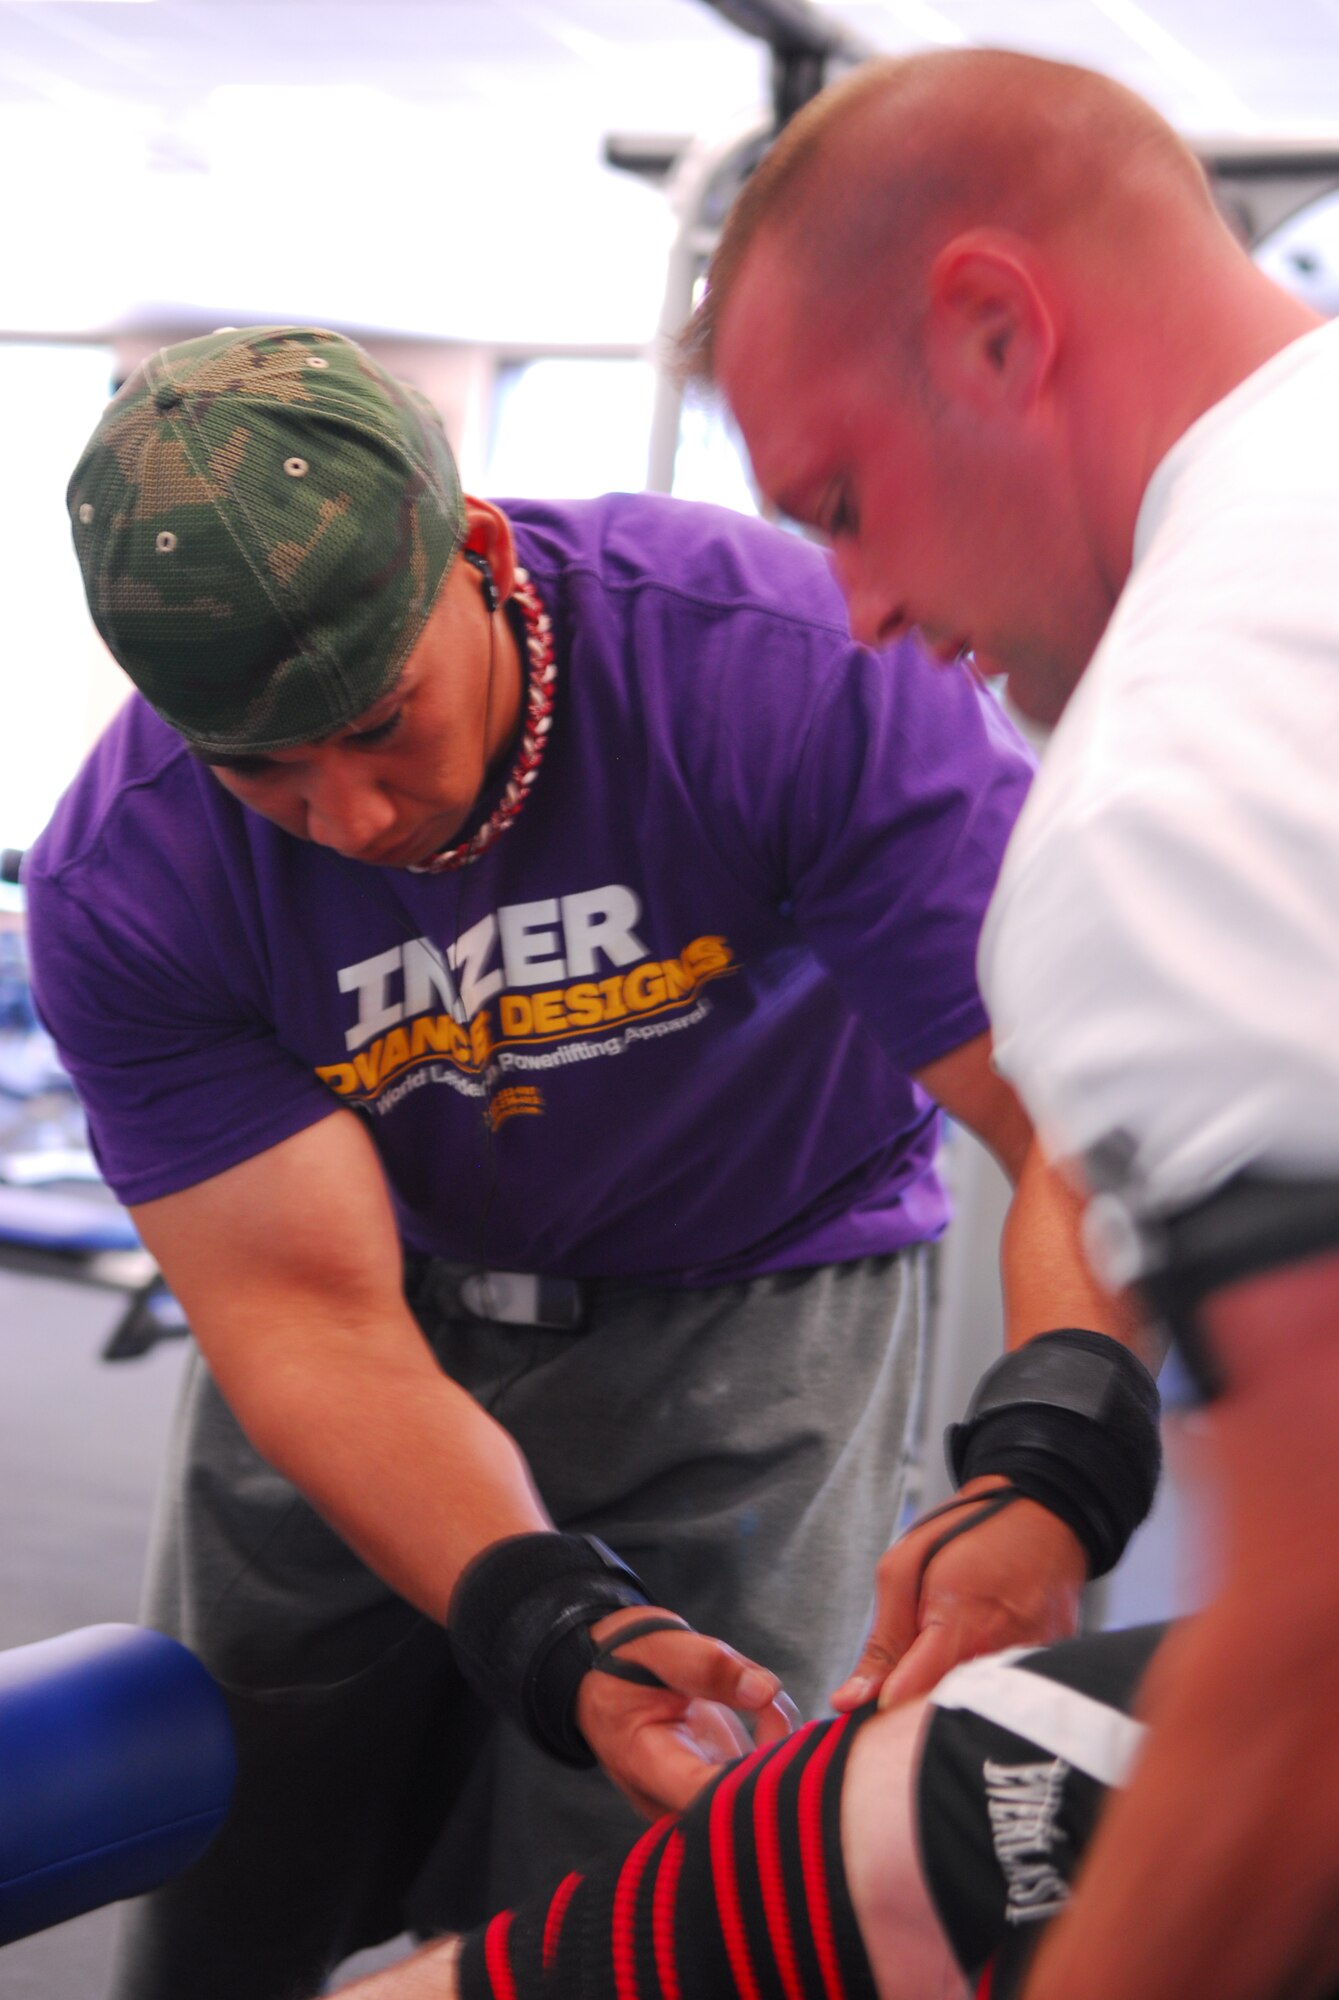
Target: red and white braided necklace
point(542, 679)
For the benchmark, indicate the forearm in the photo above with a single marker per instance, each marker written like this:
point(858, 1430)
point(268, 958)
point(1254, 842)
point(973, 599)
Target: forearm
point(1226, 1845)
point(1214, 1874)
point(401, 1461)
point(288, 1267)
point(1016, 1577)
point(1044, 1274)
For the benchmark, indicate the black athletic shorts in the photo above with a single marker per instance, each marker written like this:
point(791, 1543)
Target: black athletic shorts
point(1020, 1753)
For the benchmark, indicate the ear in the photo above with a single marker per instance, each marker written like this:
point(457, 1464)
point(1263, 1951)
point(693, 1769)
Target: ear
point(991, 335)
point(489, 531)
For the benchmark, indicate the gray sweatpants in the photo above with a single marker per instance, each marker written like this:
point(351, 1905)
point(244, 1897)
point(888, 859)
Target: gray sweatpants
point(743, 1447)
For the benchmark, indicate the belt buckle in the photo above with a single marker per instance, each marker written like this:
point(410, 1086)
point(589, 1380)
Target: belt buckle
point(522, 1298)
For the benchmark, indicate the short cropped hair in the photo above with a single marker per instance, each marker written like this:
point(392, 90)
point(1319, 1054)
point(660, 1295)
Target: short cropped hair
point(863, 174)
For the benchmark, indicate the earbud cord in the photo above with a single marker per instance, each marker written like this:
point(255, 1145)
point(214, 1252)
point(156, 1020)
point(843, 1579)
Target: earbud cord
point(486, 1070)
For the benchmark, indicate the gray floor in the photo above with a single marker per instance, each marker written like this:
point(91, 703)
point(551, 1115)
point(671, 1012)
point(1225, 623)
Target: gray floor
point(79, 1447)
point(79, 1443)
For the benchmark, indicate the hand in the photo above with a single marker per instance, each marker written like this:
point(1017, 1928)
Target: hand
point(1015, 1580)
point(661, 1745)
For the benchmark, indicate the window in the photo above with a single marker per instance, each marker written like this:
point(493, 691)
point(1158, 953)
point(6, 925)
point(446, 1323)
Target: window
point(57, 687)
point(571, 427)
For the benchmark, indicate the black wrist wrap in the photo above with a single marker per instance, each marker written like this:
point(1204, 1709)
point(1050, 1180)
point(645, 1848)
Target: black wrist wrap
point(518, 1623)
point(1071, 1420)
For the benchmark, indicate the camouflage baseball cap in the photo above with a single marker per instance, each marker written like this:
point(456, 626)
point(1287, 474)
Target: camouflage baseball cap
point(263, 519)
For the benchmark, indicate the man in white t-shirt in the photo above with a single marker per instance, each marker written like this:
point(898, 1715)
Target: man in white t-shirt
point(984, 329)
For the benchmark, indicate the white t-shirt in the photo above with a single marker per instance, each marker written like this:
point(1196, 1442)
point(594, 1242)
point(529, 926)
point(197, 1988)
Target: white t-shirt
point(1161, 958)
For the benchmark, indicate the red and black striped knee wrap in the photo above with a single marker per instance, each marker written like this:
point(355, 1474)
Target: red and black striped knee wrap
point(744, 1895)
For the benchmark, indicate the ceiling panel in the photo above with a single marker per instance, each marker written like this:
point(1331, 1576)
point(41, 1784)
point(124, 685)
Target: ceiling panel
point(169, 51)
point(435, 165)
point(1203, 62)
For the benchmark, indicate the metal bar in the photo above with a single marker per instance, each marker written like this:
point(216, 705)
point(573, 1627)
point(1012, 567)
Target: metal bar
point(793, 27)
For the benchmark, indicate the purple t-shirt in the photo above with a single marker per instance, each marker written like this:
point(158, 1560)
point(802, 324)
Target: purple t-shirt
point(662, 1028)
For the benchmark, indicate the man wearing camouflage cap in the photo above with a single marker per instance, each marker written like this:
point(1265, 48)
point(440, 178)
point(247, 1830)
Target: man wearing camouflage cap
point(531, 931)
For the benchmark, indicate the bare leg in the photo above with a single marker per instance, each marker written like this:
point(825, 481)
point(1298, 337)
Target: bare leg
point(908, 1953)
point(428, 1975)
